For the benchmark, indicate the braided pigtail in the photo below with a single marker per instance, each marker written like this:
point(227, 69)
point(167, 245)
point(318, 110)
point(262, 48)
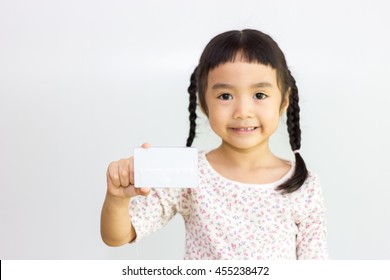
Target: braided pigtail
point(294, 131)
point(192, 107)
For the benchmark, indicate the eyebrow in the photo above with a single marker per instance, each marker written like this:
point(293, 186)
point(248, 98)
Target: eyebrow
point(228, 86)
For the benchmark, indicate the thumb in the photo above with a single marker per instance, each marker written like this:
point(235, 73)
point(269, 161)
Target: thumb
point(132, 191)
point(143, 191)
point(146, 145)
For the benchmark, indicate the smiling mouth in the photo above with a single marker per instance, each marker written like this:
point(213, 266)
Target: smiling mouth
point(250, 128)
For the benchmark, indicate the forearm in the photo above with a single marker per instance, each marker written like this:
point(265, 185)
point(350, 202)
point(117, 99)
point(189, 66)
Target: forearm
point(116, 228)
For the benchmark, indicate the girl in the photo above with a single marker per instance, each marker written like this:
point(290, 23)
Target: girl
point(250, 204)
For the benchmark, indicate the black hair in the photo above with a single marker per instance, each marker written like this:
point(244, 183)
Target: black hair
point(254, 47)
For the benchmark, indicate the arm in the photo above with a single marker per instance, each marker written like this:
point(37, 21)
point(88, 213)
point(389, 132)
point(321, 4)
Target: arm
point(311, 237)
point(115, 225)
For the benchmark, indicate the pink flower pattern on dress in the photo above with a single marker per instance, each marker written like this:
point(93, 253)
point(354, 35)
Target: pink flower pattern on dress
point(225, 219)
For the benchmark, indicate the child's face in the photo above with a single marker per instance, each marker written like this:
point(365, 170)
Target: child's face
point(243, 101)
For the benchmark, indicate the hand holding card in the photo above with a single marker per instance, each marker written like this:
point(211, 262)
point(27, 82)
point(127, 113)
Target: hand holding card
point(166, 167)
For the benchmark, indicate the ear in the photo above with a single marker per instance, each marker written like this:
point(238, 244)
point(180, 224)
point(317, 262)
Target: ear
point(286, 103)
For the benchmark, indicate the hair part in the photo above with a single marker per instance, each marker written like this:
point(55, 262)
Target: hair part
point(252, 46)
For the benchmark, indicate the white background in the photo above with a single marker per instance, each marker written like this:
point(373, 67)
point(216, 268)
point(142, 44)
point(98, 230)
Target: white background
point(84, 82)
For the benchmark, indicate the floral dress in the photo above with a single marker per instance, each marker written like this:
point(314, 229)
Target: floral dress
point(226, 219)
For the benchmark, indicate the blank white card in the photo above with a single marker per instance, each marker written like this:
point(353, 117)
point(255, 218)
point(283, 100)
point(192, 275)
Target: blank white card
point(166, 167)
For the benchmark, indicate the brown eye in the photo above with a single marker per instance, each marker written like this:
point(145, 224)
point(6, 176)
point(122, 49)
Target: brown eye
point(260, 95)
point(225, 96)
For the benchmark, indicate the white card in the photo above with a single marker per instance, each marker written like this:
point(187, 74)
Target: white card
point(166, 167)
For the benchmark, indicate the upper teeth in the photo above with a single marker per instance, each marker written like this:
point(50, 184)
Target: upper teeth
point(246, 128)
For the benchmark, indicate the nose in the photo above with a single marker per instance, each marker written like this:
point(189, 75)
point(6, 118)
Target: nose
point(243, 109)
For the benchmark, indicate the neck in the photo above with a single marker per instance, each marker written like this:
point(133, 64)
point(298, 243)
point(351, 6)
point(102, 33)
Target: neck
point(254, 157)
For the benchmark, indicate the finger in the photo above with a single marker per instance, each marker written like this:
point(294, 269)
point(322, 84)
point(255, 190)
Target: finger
point(124, 172)
point(131, 170)
point(112, 174)
point(130, 191)
point(146, 145)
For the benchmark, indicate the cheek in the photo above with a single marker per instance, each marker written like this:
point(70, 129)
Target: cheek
point(215, 118)
point(218, 118)
point(270, 118)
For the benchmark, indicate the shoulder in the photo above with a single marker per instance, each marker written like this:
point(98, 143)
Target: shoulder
point(312, 180)
point(309, 196)
point(202, 153)
point(203, 164)
point(311, 185)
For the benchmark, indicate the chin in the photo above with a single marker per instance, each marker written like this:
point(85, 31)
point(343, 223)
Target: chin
point(242, 145)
